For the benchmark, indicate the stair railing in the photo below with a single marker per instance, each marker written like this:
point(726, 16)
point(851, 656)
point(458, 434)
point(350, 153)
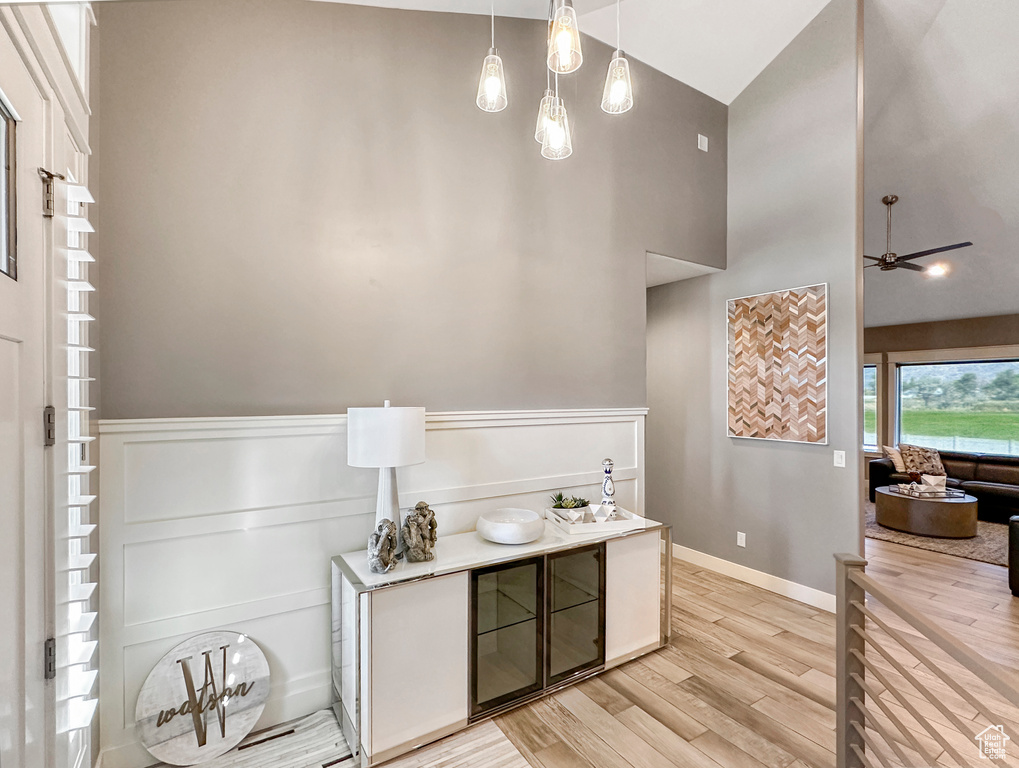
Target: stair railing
point(888, 713)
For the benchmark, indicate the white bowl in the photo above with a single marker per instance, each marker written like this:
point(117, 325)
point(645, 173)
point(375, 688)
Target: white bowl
point(511, 526)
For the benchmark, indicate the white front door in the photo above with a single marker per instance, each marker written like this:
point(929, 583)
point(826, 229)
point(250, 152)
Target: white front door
point(25, 712)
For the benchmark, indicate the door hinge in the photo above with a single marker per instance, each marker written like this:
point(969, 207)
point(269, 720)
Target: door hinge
point(50, 672)
point(48, 192)
point(49, 426)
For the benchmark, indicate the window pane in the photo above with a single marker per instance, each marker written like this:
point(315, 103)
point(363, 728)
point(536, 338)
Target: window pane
point(870, 406)
point(961, 406)
point(4, 207)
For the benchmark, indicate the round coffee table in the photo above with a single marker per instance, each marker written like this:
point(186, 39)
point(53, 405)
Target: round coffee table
point(948, 518)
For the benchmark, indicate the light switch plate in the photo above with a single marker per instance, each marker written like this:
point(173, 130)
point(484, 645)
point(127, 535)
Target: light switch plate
point(741, 539)
point(840, 458)
point(702, 142)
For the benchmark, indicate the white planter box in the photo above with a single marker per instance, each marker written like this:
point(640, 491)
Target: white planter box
point(628, 522)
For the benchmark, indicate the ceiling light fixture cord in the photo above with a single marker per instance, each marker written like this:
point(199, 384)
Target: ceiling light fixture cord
point(888, 241)
point(493, 23)
point(617, 25)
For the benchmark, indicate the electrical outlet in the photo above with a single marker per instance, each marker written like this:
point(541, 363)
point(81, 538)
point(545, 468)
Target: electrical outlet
point(702, 142)
point(741, 539)
point(840, 458)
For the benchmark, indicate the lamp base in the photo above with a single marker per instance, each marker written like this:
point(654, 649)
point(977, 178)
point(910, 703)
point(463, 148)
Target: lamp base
point(388, 505)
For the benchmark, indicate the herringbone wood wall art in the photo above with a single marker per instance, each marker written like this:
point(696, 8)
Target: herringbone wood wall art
point(778, 350)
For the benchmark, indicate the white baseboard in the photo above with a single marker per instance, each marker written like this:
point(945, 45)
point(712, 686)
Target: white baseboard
point(784, 587)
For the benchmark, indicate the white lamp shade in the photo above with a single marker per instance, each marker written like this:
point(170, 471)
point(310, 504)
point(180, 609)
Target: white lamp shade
point(385, 437)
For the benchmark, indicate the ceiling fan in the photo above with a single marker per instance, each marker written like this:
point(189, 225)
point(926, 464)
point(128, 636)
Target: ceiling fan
point(889, 261)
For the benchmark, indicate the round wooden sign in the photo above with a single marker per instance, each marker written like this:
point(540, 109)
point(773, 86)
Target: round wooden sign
point(202, 698)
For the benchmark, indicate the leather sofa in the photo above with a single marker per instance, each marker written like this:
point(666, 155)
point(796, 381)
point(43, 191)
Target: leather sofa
point(993, 480)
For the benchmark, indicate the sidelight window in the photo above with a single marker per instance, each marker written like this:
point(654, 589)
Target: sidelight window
point(8, 240)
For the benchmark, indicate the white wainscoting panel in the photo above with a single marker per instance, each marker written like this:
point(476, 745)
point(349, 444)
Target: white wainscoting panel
point(231, 523)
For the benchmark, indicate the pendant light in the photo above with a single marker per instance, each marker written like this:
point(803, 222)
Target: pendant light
point(564, 54)
point(557, 144)
point(543, 107)
point(617, 97)
point(543, 110)
point(492, 85)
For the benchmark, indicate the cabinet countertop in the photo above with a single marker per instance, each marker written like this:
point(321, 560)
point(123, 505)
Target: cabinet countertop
point(466, 551)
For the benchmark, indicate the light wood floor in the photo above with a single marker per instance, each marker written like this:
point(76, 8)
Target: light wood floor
point(748, 679)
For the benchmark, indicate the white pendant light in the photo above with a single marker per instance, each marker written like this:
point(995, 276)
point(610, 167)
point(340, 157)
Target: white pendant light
point(564, 54)
point(543, 109)
point(617, 97)
point(618, 94)
point(557, 144)
point(492, 85)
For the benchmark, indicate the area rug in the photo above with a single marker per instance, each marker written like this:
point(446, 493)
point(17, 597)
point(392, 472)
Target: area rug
point(990, 545)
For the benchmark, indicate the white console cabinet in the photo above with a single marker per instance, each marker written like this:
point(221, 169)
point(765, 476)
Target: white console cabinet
point(428, 648)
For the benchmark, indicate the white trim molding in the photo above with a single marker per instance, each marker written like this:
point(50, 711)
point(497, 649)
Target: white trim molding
point(229, 523)
point(780, 586)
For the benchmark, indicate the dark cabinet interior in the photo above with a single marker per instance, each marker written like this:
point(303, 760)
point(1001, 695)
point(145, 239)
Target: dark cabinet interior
point(576, 613)
point(534, 624)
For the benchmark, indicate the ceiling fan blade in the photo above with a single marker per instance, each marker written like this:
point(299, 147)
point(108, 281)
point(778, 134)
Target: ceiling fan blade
point(872, 258)
point(907, 265)
point(868, 266)
point(918, 254)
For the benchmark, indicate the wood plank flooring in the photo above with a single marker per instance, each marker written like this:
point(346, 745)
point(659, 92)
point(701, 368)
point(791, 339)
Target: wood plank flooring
point(748, 679)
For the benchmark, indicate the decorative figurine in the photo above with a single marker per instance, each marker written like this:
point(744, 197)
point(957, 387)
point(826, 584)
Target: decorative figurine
point(382, 547)
point(419, 534)
point(608, 488)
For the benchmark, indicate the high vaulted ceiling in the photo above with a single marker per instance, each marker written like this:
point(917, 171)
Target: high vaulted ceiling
point(715, 46)
point(942, 132)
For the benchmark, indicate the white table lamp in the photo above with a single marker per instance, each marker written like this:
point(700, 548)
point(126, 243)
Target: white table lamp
point(386, 438)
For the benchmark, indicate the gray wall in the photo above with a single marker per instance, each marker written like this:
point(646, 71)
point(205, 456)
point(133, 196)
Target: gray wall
point(302, 209)
point(942, 132)
point(793, 204)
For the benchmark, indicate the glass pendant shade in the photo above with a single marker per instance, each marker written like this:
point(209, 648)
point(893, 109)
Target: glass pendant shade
point(557, 143)
point(564, 54)
point(492, 86)
point(543, 109)
point(618, 94)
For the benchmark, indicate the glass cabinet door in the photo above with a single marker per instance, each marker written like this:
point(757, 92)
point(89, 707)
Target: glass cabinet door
point(576, 609)
point(506, 633)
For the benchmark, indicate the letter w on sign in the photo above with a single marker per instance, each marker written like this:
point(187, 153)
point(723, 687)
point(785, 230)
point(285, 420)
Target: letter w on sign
point(199, 704)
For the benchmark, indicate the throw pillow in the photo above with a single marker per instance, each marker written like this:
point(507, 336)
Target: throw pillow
point(896, 457)
point(926, 461)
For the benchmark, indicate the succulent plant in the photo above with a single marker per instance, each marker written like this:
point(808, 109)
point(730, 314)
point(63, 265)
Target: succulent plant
point(560, 501)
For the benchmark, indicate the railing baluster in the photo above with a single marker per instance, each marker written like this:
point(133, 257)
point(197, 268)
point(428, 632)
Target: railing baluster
point(965, 695)
point(848, 668)
point(872, 745)
point(857, 725)
point(924, 692)
point(880, 729)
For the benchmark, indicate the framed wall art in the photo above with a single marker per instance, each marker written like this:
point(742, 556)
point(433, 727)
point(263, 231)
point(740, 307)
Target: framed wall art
point(777, 365)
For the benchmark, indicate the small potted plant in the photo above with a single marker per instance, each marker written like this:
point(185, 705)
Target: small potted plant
point(572, 507)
